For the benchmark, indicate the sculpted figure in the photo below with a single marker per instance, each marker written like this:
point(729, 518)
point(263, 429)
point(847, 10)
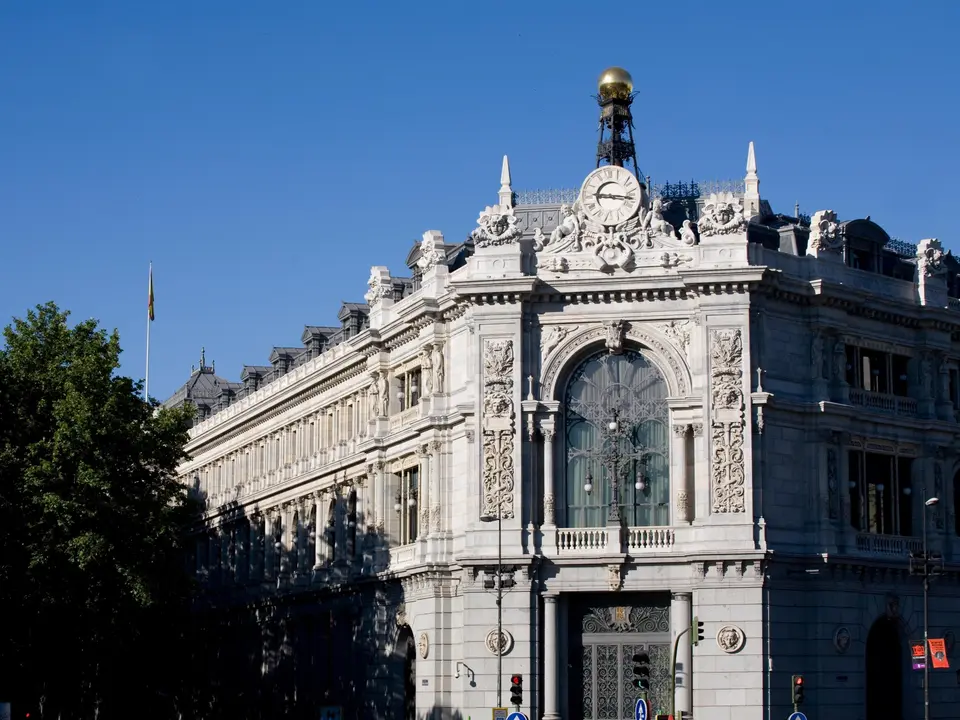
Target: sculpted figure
point(438, 367)
point(654, 221)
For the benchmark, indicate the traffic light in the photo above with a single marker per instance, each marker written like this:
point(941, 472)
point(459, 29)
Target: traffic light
point(516, 690)
point(696, 632)
point(797, 682)
point(641, 671)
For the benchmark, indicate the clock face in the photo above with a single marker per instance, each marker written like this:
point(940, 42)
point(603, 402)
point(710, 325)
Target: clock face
point(610, 195)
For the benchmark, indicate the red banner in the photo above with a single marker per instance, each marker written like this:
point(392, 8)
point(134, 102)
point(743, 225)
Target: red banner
point(938, 653)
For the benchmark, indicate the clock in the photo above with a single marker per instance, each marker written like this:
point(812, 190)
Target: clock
point(610, 195)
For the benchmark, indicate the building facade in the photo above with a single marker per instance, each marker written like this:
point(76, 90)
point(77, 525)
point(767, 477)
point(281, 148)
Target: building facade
point(555, 445)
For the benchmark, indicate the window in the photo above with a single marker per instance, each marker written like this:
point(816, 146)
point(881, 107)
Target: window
point(881, 499)
point(956, 503)
point(631, 387)
point(405, 505)
point(876, 371)
point(408, 389)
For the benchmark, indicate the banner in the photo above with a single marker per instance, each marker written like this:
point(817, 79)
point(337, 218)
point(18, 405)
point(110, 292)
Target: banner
point(938, 653)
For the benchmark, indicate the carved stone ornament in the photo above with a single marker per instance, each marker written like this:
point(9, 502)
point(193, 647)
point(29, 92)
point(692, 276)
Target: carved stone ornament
point(423, 645)
point(614, 579)
point(401, 615)
point(722, 215)
point(496, 226)
point(431, 250)
point(501, 645)
point(841, 640)
point(498, 430)
point(380, 284)
point(552, 336)
point(580, 242)
point(930, 258)
point(727, 426)
point(614, 336)
point(678, 332)
point(825, 231)
point(731, 639)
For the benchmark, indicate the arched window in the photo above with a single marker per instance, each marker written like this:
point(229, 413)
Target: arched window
point(631, 389)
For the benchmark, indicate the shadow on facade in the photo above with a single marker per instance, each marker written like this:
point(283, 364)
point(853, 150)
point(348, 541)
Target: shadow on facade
point(275, 635)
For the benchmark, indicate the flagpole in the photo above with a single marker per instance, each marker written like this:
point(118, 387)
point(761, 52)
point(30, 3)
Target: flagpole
point(146, 380)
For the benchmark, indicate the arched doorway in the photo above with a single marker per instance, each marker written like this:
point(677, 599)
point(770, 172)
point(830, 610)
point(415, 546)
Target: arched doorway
point(884, 671)
point(407, 648)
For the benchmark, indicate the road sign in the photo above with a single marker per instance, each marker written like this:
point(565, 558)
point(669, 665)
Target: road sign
point(642, 712)
point(797, 716)
point(517, 716)
point(500, 713)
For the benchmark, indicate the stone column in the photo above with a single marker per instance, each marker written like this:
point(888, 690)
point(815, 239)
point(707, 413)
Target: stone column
point(551, 653)
point(301, 530)
point(252, 545)
point(424, 493)
point(549, 482)
point(269, 552)
point(435, 510)
point(701, 472)
point(681, 619)
point(681, 493)
point(317, 530)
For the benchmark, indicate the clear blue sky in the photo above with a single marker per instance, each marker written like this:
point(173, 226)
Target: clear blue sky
point(265, 155)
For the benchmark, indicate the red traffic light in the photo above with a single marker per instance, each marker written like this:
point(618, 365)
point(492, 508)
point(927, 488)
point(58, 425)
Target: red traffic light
point(798, 680)
point(515, 679)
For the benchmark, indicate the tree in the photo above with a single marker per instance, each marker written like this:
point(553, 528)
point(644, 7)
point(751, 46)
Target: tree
point(92, 575)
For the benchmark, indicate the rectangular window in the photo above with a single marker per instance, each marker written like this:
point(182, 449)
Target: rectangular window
point(877, 372)
point(405, 504)
point(881, 493)
point(408, 389)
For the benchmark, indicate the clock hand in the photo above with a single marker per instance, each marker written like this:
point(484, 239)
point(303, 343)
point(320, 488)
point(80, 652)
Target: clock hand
point(611, 197)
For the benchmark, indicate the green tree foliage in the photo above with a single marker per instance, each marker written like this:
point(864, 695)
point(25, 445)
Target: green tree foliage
point(92, 577)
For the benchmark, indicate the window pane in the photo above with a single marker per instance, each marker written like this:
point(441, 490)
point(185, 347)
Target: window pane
point(630, 388)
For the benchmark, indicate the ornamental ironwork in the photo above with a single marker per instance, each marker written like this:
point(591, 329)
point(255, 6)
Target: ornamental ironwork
point(901, 248)
point(623, 619)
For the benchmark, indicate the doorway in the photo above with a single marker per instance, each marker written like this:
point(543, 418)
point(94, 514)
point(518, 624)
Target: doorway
point(884, 671)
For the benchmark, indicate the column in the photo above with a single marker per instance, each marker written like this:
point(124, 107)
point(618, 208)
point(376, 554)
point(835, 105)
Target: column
point(380, 490)
point(424, 493)
point(551, 652)
point(549, 511)
point(437, 519)
point(301, 531)
point(253, 545)
point(268, 551)
point(678, 475)
point(318, 538)
point(681, 619)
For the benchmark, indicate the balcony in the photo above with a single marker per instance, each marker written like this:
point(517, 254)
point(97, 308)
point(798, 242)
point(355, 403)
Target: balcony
point(595, 541)
point(888, 545)
point(400, 420)
point(883, 402)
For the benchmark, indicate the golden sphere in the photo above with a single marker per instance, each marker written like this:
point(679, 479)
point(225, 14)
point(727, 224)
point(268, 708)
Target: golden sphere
point(615, 82)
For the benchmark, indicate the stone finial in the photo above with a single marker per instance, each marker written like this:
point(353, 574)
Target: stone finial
point(506, 192)
point(751, 185)
point(380, 285)
point(432, 251)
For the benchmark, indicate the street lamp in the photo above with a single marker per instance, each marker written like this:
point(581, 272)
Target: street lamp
point(925, 566)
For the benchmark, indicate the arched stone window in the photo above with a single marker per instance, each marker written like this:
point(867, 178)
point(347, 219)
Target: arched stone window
point(630, 387)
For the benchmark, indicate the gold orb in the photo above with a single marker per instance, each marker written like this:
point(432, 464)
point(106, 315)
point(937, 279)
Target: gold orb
point(615, 82)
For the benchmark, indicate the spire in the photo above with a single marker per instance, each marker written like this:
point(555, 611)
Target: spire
point(506, 192)
point(751, 185)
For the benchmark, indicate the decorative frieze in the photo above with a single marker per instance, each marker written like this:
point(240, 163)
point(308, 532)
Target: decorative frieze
point(498, 430)
point(727, 426)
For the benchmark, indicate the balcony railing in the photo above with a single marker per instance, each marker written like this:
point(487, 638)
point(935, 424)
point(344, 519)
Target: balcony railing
point(400, 419)
point(883, 402)
point(888, 544)
point(403, 554)
point(591, 541)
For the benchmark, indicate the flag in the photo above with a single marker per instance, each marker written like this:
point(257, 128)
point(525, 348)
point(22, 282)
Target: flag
point(150, 295)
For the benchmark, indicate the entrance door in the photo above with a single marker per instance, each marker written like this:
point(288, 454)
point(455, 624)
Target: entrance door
point(604, 639)
point(884, 671)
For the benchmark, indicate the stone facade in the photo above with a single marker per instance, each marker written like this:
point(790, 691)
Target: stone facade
point(807, 405)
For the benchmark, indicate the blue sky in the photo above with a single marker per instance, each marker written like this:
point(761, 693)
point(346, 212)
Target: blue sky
point(265, 155)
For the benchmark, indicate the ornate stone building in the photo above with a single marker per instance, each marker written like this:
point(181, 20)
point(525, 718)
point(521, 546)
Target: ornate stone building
point(612, 411)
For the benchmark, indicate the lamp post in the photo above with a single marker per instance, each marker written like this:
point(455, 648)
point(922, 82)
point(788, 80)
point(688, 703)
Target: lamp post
point(926, 566)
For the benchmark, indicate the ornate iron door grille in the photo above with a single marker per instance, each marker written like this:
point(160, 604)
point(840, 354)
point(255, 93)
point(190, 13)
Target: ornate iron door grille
point(608, 639)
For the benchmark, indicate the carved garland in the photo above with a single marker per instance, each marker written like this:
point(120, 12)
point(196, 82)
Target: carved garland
point(498, 430)
point(665, 352)
point(727, 426)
